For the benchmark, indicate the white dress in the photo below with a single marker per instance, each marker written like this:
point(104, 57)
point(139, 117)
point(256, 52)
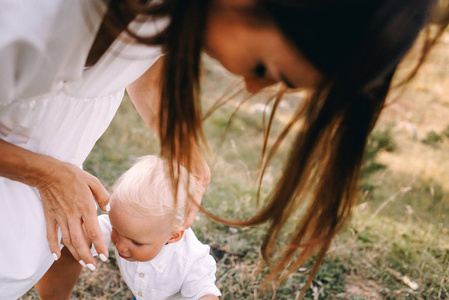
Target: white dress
point(51, 104)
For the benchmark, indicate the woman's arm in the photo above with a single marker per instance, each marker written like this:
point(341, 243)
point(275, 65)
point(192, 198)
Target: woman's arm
point(145, 94)
point(67, 193)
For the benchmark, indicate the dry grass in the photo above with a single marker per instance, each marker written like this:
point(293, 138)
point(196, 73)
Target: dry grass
point(421, 107)
point(372, 258)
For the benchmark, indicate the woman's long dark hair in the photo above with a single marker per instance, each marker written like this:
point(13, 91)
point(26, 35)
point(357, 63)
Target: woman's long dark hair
point(180, 111)
point(357, 46)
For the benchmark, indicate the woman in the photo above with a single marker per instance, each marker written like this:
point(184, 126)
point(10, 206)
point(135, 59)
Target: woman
point(62, 83)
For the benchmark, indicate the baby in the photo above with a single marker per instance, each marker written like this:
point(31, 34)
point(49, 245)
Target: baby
point(158, 258)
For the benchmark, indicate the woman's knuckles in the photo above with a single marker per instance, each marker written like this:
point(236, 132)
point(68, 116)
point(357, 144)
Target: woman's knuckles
point(78, 242)
point(93, 235)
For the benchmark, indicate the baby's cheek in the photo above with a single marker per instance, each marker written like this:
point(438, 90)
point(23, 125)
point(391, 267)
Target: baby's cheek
point(143, 254)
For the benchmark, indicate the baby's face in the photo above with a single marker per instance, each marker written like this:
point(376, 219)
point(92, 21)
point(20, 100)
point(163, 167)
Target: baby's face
point(137, 237)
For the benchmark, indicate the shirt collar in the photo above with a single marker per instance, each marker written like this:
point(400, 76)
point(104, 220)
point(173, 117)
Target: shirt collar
point(160, 262)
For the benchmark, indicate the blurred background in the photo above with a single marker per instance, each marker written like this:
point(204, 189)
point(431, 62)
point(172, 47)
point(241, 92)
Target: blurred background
point(397, 243)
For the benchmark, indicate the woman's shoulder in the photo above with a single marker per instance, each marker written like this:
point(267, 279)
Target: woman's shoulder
point(42, 41)
point(35, 21)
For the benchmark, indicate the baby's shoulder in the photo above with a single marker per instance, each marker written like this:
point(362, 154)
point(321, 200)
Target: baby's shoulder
point(190, 248)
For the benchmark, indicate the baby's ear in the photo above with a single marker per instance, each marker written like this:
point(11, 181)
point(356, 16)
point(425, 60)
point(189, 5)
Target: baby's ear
point(176, 234)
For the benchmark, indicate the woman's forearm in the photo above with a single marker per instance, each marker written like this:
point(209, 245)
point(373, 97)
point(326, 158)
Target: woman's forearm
point(22, 165)
point(145, 93)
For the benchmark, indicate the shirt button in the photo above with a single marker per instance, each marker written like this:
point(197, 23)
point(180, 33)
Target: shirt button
point(140, 294)
point(141, 275)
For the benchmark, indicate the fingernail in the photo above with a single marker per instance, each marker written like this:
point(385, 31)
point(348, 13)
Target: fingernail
point(91, 267)
point(103, 257)
point(108, 207)
point(82, 263)
point(55, 256)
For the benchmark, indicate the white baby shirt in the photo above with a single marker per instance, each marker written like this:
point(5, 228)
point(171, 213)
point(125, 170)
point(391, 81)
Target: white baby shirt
point(182, 270)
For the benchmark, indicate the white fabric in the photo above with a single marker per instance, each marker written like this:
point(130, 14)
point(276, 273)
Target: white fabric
point(182, 270)
point(51, 104)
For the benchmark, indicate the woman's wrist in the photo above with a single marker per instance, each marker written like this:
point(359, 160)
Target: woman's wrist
point(25, 166)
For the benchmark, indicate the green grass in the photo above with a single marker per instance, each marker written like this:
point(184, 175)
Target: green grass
point(384, 248)
point(397, 239)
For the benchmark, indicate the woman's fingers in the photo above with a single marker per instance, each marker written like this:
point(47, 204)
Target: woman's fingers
point(68, 198)
point(54, 222)
point(93, 233)
point(100, 193)
point(79, 245)
point(86, 226)
point(52, 235)
point(195, 205)
point(201, 171)
point(67, 241)
point(193, 211)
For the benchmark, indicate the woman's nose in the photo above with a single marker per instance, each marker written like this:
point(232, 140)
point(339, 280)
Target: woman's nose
point(254, 85)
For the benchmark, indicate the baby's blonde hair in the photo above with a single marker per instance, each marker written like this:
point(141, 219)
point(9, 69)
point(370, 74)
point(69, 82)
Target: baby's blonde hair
point(147, 188)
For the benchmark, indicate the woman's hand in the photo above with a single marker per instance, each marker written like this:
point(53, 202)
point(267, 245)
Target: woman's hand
point(68, 197)
point(200, 169)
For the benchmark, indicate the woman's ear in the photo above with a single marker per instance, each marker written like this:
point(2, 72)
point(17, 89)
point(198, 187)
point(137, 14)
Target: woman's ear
point(176, 235)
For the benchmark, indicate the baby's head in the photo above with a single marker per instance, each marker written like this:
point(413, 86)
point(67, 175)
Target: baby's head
point(144, 214)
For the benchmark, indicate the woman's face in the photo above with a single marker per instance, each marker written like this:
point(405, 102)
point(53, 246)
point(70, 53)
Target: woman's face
point(258, 52)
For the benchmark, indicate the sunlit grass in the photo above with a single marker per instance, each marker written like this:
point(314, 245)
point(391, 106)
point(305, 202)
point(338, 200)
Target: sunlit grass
point(395, 247)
